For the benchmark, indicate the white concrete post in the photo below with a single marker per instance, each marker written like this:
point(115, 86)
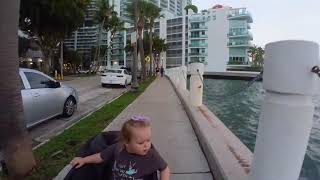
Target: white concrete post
point(287, 110)
point(196, 86)
point(183, 77)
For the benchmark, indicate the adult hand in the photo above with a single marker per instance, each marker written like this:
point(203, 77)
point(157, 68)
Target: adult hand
point(77, 162)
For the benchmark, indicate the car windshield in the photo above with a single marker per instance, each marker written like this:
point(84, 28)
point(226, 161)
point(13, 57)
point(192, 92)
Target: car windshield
point(113, 71)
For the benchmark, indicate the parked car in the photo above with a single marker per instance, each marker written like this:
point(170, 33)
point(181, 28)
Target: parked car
point(44, 98)
point(116, 76)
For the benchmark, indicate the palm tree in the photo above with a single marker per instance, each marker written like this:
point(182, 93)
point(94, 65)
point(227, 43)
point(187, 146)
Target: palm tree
point(259, 56)
point(192, 7)
point(256, 53)
point(115, 25)
point(135, 84)
point(159, 45)
point(14, 139)
point(102, 17)
point(49, 22)
point(152, 13)
point(139, 16)
point(252, 53)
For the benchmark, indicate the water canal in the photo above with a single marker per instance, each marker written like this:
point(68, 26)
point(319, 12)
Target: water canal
point(240, 113)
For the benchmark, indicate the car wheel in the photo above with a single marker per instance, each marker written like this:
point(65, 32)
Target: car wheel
point(69, 107)
point(125, 84)
point(103, 85)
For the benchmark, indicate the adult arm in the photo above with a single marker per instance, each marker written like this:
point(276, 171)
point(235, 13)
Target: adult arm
point(77, 162)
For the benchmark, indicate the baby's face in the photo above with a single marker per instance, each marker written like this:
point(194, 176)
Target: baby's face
point(140, 142)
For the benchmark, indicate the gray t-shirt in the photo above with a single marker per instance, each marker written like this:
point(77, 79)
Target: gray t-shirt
point(127, 166)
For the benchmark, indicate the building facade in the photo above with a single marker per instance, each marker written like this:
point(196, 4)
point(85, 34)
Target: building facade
point(220, 37)
point(86, 37)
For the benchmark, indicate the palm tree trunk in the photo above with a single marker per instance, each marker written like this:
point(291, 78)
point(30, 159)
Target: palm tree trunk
point(97, 53)
point(135, 84)
point(48, 60)
point(61, 59)
point(150, 47)
point(141, 51)
point(14, 139)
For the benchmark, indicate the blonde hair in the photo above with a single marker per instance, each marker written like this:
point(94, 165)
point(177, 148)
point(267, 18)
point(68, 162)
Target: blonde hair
point(126, 130)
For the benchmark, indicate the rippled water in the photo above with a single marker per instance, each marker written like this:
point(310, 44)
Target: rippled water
point(240, 113)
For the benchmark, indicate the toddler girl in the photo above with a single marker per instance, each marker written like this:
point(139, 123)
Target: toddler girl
point(134, 157)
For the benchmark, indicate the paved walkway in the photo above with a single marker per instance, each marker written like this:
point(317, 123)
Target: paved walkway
point(173, 135)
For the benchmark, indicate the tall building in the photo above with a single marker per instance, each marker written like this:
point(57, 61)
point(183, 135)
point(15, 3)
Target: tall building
point(86, 37)
point(219, 37)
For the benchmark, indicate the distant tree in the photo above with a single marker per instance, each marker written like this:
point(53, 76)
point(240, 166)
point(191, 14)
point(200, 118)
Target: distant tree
point(159, 46)
point(15, 142)
point(49, 22)
point(140, 12)
point(152, 13)
point(257, 55)
point(74, 58)
point(260, 57)
point(129, 48)
point(102, 17)
point(115, 25)
point(192, 7)
point(24, 45)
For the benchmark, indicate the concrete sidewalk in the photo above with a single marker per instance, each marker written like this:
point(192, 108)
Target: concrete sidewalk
point(173, 135)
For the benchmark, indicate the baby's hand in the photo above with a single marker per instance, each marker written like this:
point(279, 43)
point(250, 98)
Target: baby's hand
point(77, 162)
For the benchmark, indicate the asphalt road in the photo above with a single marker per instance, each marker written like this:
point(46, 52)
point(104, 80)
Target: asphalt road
point(91, 97)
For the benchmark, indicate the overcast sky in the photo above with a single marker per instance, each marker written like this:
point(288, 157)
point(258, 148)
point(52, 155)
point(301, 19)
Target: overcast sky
point(275, 20)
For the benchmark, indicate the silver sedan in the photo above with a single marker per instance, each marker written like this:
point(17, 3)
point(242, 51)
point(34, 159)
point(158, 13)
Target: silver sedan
point(44, 98)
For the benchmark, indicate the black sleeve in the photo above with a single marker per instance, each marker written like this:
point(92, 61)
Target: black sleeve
point(108, 153)
point(159, 162)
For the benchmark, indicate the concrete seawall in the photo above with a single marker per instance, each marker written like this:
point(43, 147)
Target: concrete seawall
point(234, 75)
point(228, 157)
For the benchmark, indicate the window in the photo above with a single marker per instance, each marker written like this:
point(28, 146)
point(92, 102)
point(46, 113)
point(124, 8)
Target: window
point(21, 84)
point(36, 80)
point(113, 71)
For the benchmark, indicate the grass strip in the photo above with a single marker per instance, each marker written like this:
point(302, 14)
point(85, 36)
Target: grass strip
point(60, 150)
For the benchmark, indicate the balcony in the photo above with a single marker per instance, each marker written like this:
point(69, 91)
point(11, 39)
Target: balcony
point(198, 19)
point(243, 34)
point(204, 45)
point(239, 44)
point(193, 28)
point(174, 32)
point(198, 54)
point(240, 14)
point(198, 36)
point(174, 47)
point(174, 39)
